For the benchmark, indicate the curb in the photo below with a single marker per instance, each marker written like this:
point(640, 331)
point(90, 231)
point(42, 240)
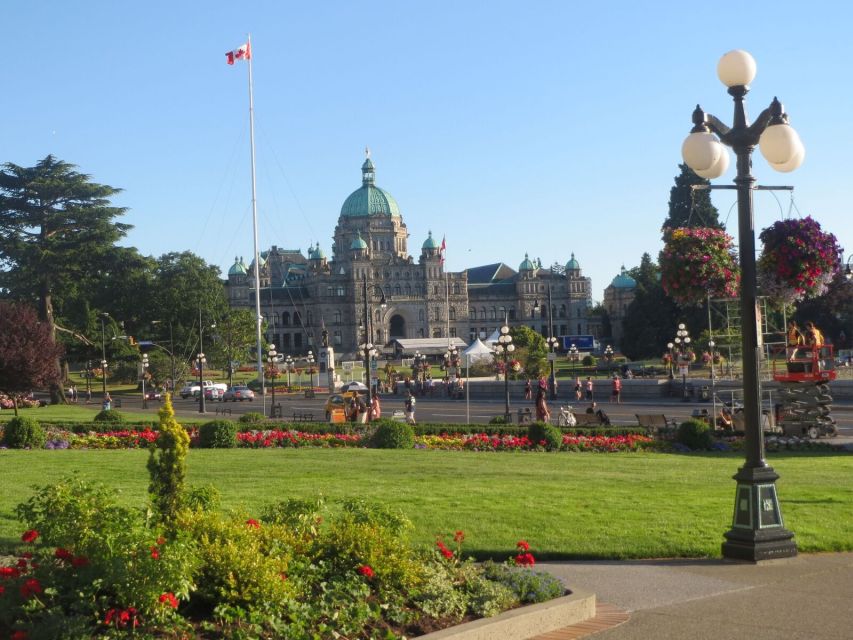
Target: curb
point(524, 622)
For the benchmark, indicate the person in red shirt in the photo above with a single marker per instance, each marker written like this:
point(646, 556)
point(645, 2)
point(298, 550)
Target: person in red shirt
point(617, 389)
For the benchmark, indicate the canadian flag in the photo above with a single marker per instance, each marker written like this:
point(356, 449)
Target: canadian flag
point(243, 52)
point(443, 249)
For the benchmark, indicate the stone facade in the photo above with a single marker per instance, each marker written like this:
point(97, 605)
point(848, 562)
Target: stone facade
point(302, 295)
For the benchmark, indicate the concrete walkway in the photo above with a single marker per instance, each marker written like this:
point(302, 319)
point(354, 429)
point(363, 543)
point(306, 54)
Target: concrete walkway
point(807, 597)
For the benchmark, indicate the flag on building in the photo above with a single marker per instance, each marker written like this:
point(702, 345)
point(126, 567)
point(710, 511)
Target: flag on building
point(443, 247)
point(243, 52)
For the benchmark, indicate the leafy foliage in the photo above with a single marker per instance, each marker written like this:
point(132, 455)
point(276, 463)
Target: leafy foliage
point(695, 434)
point(109, 416)
point(28, 353)
point(541, 432)
point(218, 434)
point(23, 432)
point(167, 464)
point(390, 434)
point(689, 207)
point(530, 349)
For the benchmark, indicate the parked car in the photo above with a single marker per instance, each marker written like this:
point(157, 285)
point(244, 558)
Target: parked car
point(238, 392)
point(339, 401)
point(213, 393)
point(152, 395)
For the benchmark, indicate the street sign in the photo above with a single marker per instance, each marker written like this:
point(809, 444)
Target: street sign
point(552, 357)
point(374, 365)
point(682, 370)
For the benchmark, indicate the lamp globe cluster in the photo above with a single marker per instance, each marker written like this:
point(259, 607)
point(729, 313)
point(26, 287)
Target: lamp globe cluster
point(779, 143)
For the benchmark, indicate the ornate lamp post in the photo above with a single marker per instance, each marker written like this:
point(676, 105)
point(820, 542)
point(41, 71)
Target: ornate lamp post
point(671, 348)
point(848, 270)
point(288, 364)
point(682, 342)
point(103, 317)
point(272, 370)
point(505, 347)
point(551, 341)
point(608, 356)
point(711, 345)
point(574, 356)
point(421, 364)
point(451, 358)
point(757, 532)
point(200, 361)
point(310, 360)
point(367, 346)
point(144, 369)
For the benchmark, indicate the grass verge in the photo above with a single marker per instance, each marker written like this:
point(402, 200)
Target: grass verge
point(566, 505)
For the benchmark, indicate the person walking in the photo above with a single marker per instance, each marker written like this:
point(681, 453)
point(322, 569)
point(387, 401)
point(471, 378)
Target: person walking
point(528, 390)
point(589, 388)
point(375, 410)
point(542, 412)
point(617, 389)
point(578, 388)
point(410, 408)
point(107, 404)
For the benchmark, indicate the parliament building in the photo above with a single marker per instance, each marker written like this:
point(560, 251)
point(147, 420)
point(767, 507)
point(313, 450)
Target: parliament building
point(301, 296)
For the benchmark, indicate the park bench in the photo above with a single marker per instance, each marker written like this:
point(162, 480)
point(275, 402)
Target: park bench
point(301, 416)
point(655, 423)
point(223, 411)
point(587, 420)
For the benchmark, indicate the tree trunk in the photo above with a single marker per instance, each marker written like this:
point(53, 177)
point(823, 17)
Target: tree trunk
point(57, 393)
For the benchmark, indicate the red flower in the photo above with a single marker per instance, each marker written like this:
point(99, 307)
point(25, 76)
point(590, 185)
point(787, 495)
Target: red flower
point(253, 523)
point(169, 599)
point(30, 536)
point(9, 572)
point(19, 635)
point(108, 618)
point(79, 561)
point(459, 537)
point(523, 545)
point(30, 588)
point(525, 560)
point(447, 553)
point(366, 571)
point(63, 554)
point(161, 540)
point(155, 553)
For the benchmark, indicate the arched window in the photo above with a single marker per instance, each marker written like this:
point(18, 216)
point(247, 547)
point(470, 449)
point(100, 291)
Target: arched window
point(472, 313)
point(436, 313)
point(296, 319)
point(379, 315)
point(512, 313)
point(337, 317)
point(397, 290)
point(285, 319)
point(456, 288)
point(493, 314)
point(483, 313)
point(408, 289)
point(453, 313)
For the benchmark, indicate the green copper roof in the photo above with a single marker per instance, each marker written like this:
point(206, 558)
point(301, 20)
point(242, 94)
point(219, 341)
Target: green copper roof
point(370, 200)
point(315, 253)
point(623, 281)
point(572, 264)
point(238, 268)
point(430, 242)
point(358, 244)
point(527, 265)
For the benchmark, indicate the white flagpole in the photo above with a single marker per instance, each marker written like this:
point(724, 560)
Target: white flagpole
point(258, 317)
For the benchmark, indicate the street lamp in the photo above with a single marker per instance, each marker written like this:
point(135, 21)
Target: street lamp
point(848, 270)
point(574, 355)
point(551, 341)
point(451, 357)
point(289, 366)
point(144, 369)
point(421, 365)
point(200, 361)
point(757, 532)
point(711, 345)
point(608, 356)
point(272, 356)
point(310, 360)
point(103, 317)
point(505, 347)
point(367, 346)
point(682, 344)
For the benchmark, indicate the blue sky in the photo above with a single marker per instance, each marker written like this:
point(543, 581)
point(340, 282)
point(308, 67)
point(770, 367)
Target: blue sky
point(540, 127)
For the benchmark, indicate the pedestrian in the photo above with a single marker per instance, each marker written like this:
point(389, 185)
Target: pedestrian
point(107, 404)
point(352, 410)
point(603, 418)
point(88, 395)
point(375, 410)
point(617, 389)
point(74, 394)
point(589, 388)
point(795, 340)
point(410, 408)
point(578, 388)
point(528, 390)
point(542, 412)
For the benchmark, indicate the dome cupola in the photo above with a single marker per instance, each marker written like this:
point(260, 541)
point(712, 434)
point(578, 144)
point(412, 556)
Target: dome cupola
point(369, 200)
point(358, 243)
point(430, 243)
point(623, 280)
point(572, 264)
point(238, 268)
point(527, 264)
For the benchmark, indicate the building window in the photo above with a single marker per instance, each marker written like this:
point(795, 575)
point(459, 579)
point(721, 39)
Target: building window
point(408, 289)
point(420, 315)
point(562, 311)
point(435, 290)
point(493, 314)
point(452, 332)
point(482, 313)
point(420, 333)
point(285, 319)
point(296, 319)
point(337, 338)
point(436, 314)
point(285, 341)
point(397, 290)
point(310, 319)
point(337, 317)
point(456, 288)
point(341, 291)
point(452, 313)
point(512, 313)
point(297, 340)
point(472, 313)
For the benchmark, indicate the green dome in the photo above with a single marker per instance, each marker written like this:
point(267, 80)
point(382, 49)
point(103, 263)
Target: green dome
point(623, 281)
point(572, 264)
point(238, 268)
point(430, 242)
point(370, 200)
point(527, 265)
point(315, 253)
point(358, 244)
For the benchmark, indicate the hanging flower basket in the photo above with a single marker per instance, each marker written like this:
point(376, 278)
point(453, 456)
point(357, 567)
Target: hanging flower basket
point(696, 263)
point(798, 261)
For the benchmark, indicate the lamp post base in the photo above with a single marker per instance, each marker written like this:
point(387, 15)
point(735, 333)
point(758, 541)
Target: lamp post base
point(757, 532)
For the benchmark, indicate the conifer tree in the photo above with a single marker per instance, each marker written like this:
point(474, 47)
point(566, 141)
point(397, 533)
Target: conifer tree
point(690, 207)
point(167, 465)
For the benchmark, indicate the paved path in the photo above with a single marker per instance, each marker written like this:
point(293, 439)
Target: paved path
point(804, 598)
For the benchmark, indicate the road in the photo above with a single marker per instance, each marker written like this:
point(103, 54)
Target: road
point(442, 409)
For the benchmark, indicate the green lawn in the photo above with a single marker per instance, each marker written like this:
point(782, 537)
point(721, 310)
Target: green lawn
point(566, 505)
point(83, 413)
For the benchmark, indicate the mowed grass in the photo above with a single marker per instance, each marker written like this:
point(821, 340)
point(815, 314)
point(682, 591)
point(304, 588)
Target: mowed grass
point(67, 413)
point(643, 505)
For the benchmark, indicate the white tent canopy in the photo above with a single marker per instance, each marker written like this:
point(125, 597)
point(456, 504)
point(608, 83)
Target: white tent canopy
point(477, 352)
point(492, 339)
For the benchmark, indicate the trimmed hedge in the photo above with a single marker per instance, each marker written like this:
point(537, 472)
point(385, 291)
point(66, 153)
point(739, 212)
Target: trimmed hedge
point(540, 432)
point(218, 434)
point(22, 432)
point(695, 434)
point(110, 416)
point(393, 435)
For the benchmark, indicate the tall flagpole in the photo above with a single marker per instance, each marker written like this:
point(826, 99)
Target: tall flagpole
point(258, 316)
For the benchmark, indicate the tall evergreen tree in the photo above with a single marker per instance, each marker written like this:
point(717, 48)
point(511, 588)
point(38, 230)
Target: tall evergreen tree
point(689, 207)
point(55, 225)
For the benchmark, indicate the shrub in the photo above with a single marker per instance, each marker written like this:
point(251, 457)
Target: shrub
point(497, 420)
point(22, 432)
point(540, 432)
point(252, 417)
point(112, 416)
point(218, 434)
point(393, 435)
point(589, 361)
point(167, 465)
point(695, 434)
